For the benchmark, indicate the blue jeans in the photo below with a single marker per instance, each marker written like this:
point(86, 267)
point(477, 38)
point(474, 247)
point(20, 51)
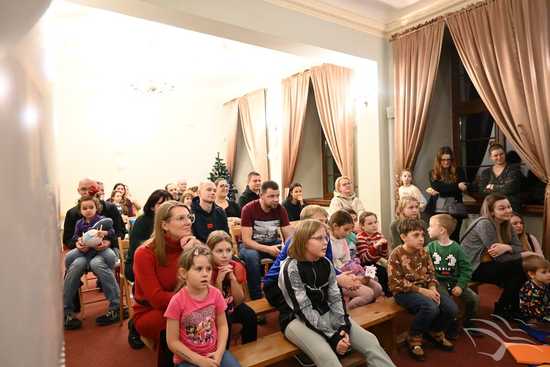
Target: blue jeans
point(429, 316)
point(227, 361)
point(102, 264)
point(253, 269)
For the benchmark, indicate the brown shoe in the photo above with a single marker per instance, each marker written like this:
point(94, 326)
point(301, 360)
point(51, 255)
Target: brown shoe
point(414, 344)
point(439, 339)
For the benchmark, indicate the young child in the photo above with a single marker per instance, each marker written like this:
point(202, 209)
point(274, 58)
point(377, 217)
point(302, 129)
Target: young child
point(101, 260)
point(452, 269)
point(319, 325)
point(407, 208)
point(534, 296)
point(366, 290)
point(352, 236)
point(408, 189)
point(372, 247)
point(196, 326)
point(187, 198)
point(414, 287)
point(229, 276)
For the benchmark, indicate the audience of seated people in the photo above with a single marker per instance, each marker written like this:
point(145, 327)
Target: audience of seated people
point(261, 221)
point(252, 191)
point(294, 202)
point(324, 258)
point(345, 197)
point(208, 216)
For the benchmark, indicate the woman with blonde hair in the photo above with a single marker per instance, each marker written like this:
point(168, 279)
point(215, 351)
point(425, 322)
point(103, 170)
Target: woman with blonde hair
point(408, 207)
point(155, 272)
point(345, 197)
point(495, 252)
point(319, 324)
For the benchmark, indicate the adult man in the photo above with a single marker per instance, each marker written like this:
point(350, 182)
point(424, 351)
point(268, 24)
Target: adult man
point(182, 186)
point(252, 191)
point(208, 216)
point(260, 223)
point(88, 187)
point(172, 188)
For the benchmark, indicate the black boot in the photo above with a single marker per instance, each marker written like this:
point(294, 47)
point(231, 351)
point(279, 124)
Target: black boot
point(133, 336)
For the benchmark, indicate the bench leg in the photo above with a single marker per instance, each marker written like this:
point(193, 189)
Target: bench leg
point(385, 332)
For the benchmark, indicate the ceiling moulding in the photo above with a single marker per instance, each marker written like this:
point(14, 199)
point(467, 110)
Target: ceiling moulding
point(398, 21)
point(422, 13)
point(334, 14)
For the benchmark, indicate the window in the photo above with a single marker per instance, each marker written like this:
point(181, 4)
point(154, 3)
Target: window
point(330, 169)
point(474, 129)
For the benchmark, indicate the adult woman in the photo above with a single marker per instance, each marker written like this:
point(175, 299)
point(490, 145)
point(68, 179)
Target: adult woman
point(294, 202)
point(129, 201)
point(318, 323)
point(231, 208)
point(447, 183)
point(528, 241)
point(344, 196)
point(495, 252)
point(117, 199)
point(502, 178)
point(155, 272)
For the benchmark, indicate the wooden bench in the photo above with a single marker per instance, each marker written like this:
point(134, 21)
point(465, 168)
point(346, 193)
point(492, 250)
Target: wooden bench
point(260, 306)
point(378, 317)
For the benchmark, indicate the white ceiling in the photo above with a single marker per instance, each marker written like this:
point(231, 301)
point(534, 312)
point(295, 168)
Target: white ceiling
point(97, 47)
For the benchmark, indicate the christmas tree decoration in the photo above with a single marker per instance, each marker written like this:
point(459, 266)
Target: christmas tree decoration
point(219, 170)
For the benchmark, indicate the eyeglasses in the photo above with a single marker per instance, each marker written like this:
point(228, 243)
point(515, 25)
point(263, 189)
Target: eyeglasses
point(182, 218)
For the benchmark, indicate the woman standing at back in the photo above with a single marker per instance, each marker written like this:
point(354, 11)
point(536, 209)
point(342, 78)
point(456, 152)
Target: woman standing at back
point(447, 183)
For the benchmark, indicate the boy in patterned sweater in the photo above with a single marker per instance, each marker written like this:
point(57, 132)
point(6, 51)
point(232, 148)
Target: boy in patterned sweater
point(413, 283)
point(452, 269)
point(534, 296)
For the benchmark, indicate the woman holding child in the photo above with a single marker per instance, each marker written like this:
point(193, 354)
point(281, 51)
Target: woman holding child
point(495, 252)
point(320, 326)
point(155, 272)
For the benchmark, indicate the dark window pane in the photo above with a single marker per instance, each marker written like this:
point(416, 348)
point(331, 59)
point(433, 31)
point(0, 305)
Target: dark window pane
point(475, 134)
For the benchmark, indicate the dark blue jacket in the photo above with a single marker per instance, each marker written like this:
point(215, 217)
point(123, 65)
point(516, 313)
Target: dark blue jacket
point(205, 223)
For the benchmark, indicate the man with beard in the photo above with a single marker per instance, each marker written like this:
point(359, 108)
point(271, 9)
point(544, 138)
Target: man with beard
point(260, 223)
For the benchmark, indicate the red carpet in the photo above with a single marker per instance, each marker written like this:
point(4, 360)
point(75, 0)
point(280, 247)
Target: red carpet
point(108, 346)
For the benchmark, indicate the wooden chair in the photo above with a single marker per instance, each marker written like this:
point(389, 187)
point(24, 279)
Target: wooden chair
point(123, 283)
point(235, 232)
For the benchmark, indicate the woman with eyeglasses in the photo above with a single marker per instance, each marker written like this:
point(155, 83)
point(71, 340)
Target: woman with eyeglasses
point(345, 197)
point(501, 178)
point(231, 208)
point(447, 183)
point(155, 273)
point(318, 323)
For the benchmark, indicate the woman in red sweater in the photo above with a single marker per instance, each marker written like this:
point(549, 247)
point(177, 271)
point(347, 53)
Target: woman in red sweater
point(155, 272)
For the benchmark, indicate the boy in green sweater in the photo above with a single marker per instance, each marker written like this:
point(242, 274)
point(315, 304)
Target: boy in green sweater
point(452, 269)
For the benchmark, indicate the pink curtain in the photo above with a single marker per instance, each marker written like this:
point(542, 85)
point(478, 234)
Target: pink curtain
point(295, 92)
point(416, 58)
point(331, 85)
point(253, 124)
point(231, 115)
point(505, 48)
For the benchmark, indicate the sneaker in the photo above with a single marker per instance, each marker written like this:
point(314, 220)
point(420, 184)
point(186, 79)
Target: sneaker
point(414, 344)
point(133, 336)
point(111, 317)
point(71, 322)
point(304, 360)
point(440, 341)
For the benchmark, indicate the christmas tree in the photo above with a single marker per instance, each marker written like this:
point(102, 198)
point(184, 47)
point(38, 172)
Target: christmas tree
point(220, 171)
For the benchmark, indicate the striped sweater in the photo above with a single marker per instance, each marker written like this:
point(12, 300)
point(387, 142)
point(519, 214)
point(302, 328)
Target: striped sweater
point(367, 253)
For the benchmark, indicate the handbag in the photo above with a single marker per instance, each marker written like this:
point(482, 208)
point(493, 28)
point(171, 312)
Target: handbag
point(450, 206)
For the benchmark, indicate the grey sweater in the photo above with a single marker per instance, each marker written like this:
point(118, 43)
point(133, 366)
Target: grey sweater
point(480, 235)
